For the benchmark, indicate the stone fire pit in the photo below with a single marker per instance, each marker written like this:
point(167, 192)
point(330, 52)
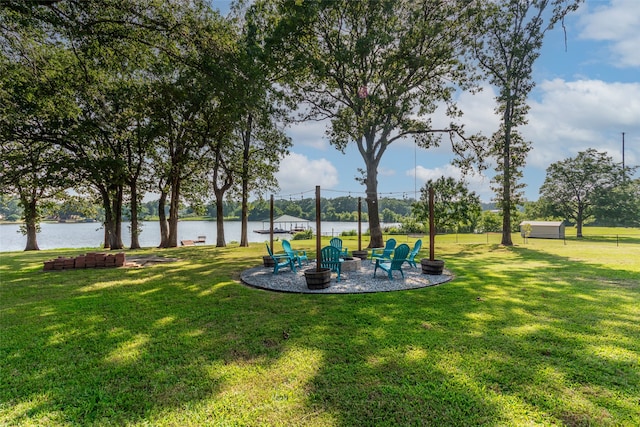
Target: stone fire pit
point(351, 264)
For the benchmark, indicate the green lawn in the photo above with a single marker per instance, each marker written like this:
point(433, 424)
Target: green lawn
point(543, 333)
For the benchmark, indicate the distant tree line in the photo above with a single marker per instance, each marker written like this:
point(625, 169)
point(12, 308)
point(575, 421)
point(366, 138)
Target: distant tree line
point(587, 189)
point(334, 209)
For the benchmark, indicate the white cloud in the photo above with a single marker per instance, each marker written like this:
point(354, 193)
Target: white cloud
point(617, 23)
point(386, 172)
point(565, 118)
point(478, 116)
point(298, 174)
point(479, 111)
point(574, 116)
point(310, 134)
point(423, 174)
point(475, 181)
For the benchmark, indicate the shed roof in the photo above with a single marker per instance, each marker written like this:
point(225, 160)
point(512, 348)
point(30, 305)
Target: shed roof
point(543, 223)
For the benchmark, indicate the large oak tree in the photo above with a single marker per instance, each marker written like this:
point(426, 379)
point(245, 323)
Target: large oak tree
point(37, 111)
point(574, 186)
point(377, 69)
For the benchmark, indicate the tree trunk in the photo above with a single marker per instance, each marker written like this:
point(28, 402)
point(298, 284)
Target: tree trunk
point(579, 221)
point(31, 224)
point(506, 178)
point(375, 230)
point(220, 241)
point(162, 216)
point(112, 204)
point(116, 223)
point(107, 240)
point(244, 216)
point(108, 217)
point(135, 229)
point(506, 223)
point(367, 147)
point(174, 206)
point(112, 237)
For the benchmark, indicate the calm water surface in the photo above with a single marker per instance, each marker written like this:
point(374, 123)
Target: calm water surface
point(91, 235)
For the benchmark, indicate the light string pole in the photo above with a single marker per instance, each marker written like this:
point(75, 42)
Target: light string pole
point(415, 171)
point(624, 174)
point(271, 224)
point(359, 224)
point(318, 231)
point(432, 226)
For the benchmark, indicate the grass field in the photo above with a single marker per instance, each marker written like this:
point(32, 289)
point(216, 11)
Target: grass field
point(543, 333)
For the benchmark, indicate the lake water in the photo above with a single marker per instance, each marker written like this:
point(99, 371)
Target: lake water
point(91, 235)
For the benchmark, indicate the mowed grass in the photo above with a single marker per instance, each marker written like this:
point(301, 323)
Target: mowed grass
point(543, 333)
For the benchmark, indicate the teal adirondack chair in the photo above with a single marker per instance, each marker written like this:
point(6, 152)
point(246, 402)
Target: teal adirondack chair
point(330, 258)
point(395, 263)
point(386, 252)
point(336, 242)
point(296, 255)
point(281, 261)
point(414, 252)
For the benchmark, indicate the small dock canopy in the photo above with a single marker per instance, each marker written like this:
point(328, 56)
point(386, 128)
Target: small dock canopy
point(542, 229)
point(284, 224)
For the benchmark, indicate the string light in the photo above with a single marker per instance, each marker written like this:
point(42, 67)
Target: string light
point(349, 193)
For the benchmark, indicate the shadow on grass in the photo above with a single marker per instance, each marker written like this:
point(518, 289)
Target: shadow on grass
point(521, 336)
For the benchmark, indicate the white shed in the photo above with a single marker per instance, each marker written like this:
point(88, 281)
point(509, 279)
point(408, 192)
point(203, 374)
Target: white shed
point(543, 229)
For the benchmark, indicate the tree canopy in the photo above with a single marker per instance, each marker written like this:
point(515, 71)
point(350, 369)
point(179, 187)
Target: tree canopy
point(36, 110)
point(377, 69)
point(126, 85)
point(574, 186)
point(455, 207)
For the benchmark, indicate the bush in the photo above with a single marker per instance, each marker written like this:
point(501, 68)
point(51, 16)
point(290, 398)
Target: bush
point(409, 225)
point(349, 233)
point(393, 230)
point(13, 217)
point(490, 222)
point(303, 235)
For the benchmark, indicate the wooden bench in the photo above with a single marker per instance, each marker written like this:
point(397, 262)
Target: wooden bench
point(187, 243)
point(200, 239)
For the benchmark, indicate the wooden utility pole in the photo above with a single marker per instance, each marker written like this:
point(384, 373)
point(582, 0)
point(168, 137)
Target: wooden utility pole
point(624, 175)
point(359, 223)
point(318, 231)
point(271, 224)
point(432, 227)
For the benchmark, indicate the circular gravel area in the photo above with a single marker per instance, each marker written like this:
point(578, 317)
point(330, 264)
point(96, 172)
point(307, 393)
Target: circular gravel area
point(351, 282)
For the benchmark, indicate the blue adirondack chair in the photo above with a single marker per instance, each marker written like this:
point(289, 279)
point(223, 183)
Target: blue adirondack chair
point(330, 258)
point(395, 263)
point(414, 252)
point(386, 252)
point(336, 242)
point(279, 261)
point(296, 255)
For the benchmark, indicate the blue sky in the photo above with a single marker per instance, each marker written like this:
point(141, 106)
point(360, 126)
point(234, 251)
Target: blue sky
point(585, 97)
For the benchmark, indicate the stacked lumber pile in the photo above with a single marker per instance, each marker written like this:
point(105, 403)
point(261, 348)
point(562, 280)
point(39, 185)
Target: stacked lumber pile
point(89, 260)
